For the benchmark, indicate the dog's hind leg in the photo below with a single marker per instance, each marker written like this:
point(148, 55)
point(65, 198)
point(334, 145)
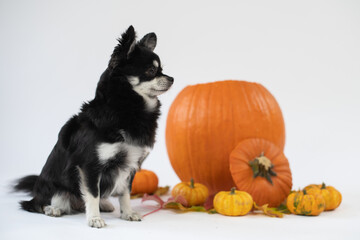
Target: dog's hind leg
point(60, 204)
point(105, 205)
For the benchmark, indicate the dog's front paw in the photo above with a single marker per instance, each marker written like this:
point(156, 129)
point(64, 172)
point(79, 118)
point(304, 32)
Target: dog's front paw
point(96, 222)
point(131, 216)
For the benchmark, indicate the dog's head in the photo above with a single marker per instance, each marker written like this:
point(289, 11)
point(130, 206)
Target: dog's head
point(139, 64)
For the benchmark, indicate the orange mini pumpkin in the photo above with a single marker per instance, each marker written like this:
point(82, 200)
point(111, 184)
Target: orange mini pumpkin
point(302, 203)
point(206, 122)
point(145, 181)
point(261, 169)
point(194, 193)
point(331, 196)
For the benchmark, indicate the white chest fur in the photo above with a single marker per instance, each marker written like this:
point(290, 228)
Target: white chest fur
point(108, 151)
point(132, 156)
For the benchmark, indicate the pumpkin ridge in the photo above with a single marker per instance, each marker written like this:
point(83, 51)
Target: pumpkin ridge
point(226, 114)
point(207, 127)
point(284, 179)
point(189, 143)
point(259, 100)
point(204, 164)
point(284, 187)
point(231, 106)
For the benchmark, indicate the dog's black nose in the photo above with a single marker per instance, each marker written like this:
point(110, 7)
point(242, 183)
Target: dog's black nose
point(171, 79)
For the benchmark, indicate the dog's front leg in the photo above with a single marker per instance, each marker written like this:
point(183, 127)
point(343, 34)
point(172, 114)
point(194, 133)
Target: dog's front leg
point(126, 211)
point(92, 210)
point(91, 196)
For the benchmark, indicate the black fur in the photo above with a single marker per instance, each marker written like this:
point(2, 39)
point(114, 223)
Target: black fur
point(116, 109)
point(26, 184)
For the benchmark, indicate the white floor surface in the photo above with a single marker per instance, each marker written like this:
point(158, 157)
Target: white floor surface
point(343, 223)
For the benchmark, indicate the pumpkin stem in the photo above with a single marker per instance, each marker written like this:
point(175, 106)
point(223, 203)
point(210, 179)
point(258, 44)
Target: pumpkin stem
point(262, 167)
point(323, 186)
point(192, 183)
point(232, 191)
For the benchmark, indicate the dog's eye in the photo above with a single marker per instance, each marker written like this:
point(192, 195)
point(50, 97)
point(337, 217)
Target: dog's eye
point(151, 71)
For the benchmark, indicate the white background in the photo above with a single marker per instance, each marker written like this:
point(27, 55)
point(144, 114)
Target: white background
point(306, 53)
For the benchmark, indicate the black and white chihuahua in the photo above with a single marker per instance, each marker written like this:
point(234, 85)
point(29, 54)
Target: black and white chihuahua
point(100, 149)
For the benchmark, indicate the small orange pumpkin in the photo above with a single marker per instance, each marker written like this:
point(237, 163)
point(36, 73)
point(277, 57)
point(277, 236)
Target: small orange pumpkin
point(260, 168)
point(194, 193)
point(233, 203)
point(331, 195)
point(145, 181)
point(302, 203)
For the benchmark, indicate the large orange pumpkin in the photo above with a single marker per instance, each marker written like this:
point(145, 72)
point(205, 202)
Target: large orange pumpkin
point(207, 121)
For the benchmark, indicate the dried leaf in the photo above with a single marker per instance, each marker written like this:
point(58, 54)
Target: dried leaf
point(177, 203)
point(197, 209)
point(139, 195)
point(154, 198)
point(212, 211)
point(271, 212)
point(159, 192)
point(283, 209)
point(178, 199)
point(209, 203)
point(179, 206)
point(162, 191)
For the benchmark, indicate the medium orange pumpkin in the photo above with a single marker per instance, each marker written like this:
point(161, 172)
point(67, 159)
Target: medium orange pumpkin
point(145, 181)
point(261, 169)
point(206, 122)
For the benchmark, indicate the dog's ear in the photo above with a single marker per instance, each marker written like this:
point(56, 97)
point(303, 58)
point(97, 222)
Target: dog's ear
point(125, 47)
point(127, 41)
point(149, 41)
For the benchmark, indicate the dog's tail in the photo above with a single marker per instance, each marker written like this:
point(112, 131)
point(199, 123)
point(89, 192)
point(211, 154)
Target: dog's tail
point(26, 184)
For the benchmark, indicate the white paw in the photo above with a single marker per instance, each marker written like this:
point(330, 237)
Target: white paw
point(106, 206)
point(52, 211)
point(96, 222)
point(132, 216)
